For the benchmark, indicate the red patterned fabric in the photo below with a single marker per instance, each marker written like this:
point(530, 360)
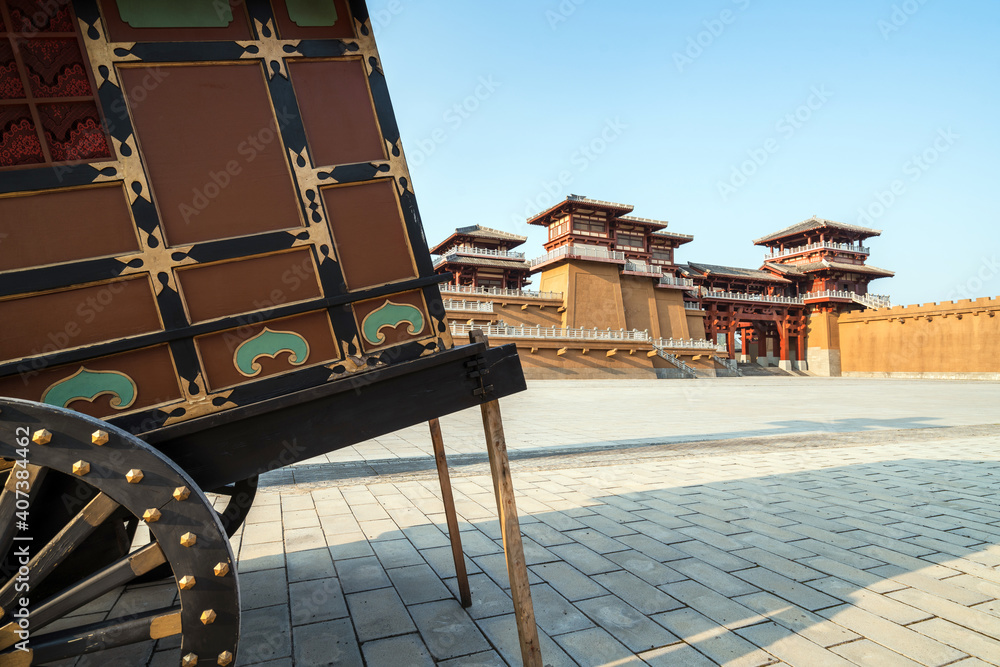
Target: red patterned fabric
point(31, 16)
point(55, 68)
point(73, 131)
point(18, 140)
point(10, 81)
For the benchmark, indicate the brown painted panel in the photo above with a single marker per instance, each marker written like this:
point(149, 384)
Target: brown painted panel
point(337, 111)
point(218, 350)
point(213, 151)
point(120, 31)
point(55, 321)
point(368, 229)
point(151, 369)
point(288, 29)
point(403, 331)
point(64, 226)
point(246, 285)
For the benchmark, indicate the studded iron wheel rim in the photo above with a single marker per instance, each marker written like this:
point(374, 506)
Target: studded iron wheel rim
point(187, 535)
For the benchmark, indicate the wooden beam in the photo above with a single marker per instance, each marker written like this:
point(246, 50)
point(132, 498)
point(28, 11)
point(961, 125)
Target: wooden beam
point(534, 350)
point(561, 309)
point(517, 570)
point(562, 351)
point(631, 352)
point(613, 352)
point(524, 307)
point(586, 350)
point(450, 514)
point(651, 353)
point(696, 357)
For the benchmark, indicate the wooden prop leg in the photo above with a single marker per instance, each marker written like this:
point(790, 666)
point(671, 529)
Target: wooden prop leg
point(517, 569)
point(450, 514)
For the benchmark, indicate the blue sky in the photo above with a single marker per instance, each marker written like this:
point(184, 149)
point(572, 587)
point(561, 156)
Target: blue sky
point(729, 118)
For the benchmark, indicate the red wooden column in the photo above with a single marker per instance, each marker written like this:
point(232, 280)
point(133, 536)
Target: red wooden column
point(731, 343)
point(800, 341)
point(783, 341)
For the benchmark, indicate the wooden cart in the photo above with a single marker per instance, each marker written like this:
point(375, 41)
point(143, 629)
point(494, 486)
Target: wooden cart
point(211, 266)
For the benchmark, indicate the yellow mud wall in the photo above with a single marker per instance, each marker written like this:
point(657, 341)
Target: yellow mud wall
point(671, 315)
point(696, 325)
point(546, 364)
point(958, 339)
point(534, 315)
point(823, 352)
point(639, 303)
point(594, 296)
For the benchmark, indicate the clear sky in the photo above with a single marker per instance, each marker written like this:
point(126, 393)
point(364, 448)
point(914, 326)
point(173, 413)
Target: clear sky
point(729, 118)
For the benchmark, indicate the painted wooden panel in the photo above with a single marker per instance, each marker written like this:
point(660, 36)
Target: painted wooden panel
point(368, 229)
point(311, 19)
point(213, 150)
point(136, 24)
point(102, 387)
point(244, 286)
point(64, 225)
point(392, 320)
point(260, 350)
point(337, 111)
point(70, 318)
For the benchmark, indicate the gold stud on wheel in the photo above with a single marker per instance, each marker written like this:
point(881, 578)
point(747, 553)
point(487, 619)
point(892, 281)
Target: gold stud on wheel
point(151, 515)
point(208, 617)
point(99, 438)
point(181, 493)
point(186, 582)
point(190, 660)
point(225, 659)
point(221, 570)
point(81, 468)
point(188, 539)
point(134, 476)
point(41, 437)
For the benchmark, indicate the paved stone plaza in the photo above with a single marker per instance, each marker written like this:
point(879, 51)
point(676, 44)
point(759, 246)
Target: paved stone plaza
point(801, 521)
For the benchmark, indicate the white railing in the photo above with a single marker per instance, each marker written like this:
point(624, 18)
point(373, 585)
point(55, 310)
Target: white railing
point(676, 282)
point(817, 246)
point(468, 306)
point(689, 344)
point(582, 251)
point(502, 330)
point(642, 267)
point(676, 361)
point(691, 305)
point(868, 300)
point(484, 252)
point(743, 296)
point(498, 291)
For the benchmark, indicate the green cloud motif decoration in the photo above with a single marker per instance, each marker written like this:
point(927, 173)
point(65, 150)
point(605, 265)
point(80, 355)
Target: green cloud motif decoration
point(175, 13)
point(391, 315)
point(269, 343)
point(87, 385)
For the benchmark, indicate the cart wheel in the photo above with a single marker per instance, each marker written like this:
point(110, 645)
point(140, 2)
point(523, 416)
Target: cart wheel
point(61, 455)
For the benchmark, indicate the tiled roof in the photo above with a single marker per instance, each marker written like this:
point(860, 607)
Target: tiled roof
point(683, 238)
point(841, 266)
point(816, 223)
point(478, 232)
point(737, 272)
point(645, 222)
point(483, 261)
point(578, 199)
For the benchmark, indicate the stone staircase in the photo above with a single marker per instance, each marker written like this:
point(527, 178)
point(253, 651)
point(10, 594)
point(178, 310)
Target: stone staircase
point(756, 370)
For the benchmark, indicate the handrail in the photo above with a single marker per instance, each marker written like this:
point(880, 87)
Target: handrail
point(448, 288)
point(829, 245)
point(468, 306)
point(485, 252)
point(502, 330)
point(581, 251)
point(744, 296)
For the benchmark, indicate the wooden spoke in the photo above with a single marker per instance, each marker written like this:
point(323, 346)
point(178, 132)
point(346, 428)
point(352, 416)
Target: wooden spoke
point(8, 502)
point(101, 636)
point(241, 496)
point(62, 545)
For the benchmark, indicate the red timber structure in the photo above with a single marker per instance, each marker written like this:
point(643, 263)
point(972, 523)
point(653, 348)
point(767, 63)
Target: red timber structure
point(611, 284)
point(762, 307)
point(482, 257)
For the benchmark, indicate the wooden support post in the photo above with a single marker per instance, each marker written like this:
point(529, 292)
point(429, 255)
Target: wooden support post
point(562, 351)
point(651, 353)
point(613, 352)
point(510, 528)
point(449, 512)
